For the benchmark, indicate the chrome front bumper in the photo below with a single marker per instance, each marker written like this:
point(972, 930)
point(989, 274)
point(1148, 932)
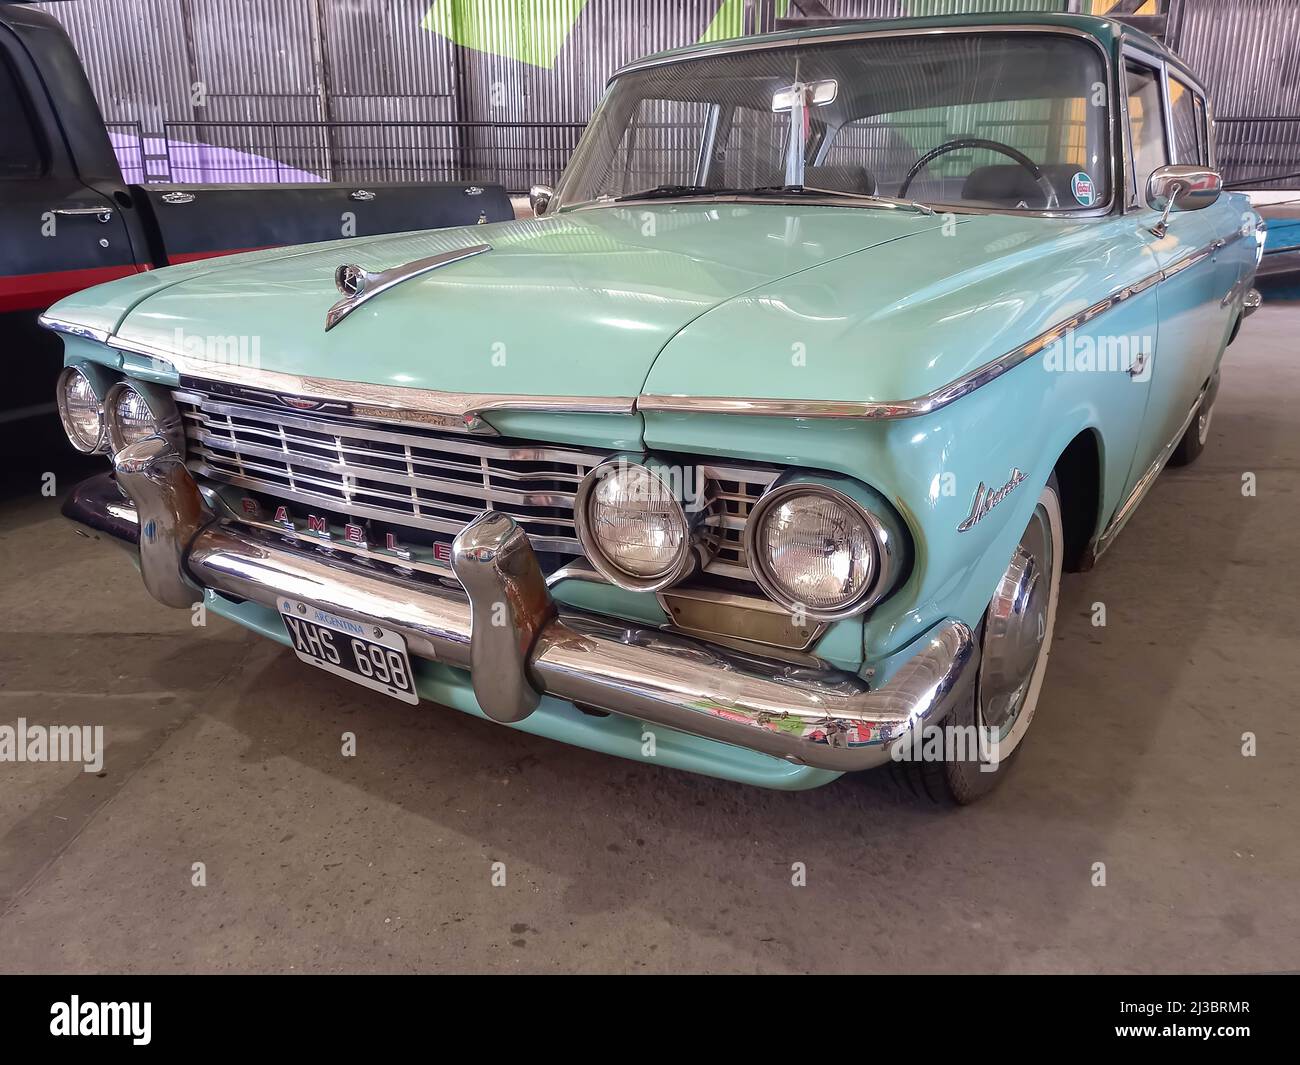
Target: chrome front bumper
point(504, 628)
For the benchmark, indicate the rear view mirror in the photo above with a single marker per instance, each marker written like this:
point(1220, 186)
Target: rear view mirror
point(796, 99)
point(1181, 187)
point(539, 198)
point(812, 94)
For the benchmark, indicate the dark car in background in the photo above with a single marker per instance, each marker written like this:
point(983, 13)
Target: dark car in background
point(69, 220)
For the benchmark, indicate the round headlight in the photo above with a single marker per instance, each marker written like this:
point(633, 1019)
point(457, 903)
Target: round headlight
point(813, 549)
point(80, 410)
point(633, 527)
point(129, 416)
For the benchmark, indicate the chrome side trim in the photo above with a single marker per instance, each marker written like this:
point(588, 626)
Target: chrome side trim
point(72, 329)
point(941, 397)
point(367, 286)
point(1143, 486)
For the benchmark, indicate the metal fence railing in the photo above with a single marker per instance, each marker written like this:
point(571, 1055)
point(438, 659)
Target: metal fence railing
point(514, 154)
point(128, 142)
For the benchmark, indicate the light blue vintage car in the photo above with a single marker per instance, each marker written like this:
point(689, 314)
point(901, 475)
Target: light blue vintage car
point(759, 452)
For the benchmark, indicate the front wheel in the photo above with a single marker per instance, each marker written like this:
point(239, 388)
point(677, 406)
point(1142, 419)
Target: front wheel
point(981, 738)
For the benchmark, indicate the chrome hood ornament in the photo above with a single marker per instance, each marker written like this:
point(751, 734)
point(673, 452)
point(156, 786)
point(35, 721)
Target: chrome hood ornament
point(351, 280)
point(357, 284)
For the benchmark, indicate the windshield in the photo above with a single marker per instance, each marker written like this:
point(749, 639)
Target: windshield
point(1015, 121)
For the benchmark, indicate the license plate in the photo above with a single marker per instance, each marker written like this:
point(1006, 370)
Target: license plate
point(363, 652)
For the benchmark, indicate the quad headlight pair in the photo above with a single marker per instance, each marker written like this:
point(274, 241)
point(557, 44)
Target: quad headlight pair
point(811, 547)
point(99, 416)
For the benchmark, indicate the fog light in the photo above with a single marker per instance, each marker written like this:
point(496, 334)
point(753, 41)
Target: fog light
point(815, 550)
point(80, 410)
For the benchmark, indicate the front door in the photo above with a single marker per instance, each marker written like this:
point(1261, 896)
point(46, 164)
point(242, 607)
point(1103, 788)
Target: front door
point(1193, 318)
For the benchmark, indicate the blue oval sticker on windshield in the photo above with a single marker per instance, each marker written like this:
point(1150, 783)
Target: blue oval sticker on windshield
point(1084, 190)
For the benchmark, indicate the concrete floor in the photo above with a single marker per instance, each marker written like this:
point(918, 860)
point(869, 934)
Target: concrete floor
point(224, 749)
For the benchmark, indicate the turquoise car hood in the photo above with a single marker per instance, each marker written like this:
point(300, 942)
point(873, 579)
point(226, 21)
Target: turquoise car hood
point(578, 304)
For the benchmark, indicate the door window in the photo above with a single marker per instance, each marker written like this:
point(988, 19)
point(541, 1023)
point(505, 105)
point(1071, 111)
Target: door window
point(1146, 127)
point(1202, 129)
point(1182, 110)
point(20, 150)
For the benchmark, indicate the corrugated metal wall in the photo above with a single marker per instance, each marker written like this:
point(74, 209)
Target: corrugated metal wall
point(341, 73)
point(370, 63)
point(366, 59)
point(1248, 55)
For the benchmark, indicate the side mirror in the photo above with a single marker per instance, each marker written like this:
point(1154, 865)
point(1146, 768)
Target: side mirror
point(539, 198)
point(1181, 187)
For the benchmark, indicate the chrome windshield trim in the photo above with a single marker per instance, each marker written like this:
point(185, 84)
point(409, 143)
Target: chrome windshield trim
point(369, 285)
point(824, 37)
point(939, 398)
point(72, 329)
point(417, 407)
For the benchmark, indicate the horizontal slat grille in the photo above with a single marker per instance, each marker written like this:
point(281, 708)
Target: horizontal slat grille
point(411, 477)
point(427, 480)
point(733, 492)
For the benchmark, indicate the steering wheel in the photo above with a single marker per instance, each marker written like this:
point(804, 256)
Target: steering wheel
point(1049, 192)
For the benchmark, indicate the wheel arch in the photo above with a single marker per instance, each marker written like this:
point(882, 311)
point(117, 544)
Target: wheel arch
point(1078, 477)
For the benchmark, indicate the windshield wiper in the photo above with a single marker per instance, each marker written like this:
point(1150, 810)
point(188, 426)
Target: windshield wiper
point(809, 190)
point(666, 192)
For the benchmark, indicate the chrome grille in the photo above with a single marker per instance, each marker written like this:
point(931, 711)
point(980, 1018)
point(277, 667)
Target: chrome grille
point(412, 477)
point(733, 491)
point(429, 480)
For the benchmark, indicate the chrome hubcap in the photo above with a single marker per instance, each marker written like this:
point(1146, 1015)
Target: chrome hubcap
point(1203, 417)
point(1016, 627)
